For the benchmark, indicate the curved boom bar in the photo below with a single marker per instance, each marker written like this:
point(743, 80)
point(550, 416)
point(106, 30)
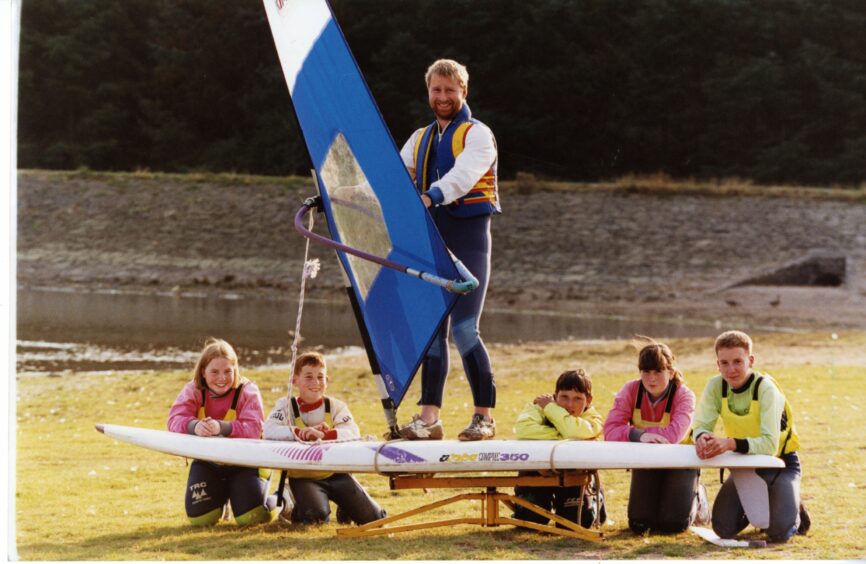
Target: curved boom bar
point(465, 286)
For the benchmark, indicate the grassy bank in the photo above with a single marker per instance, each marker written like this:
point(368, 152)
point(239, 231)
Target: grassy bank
point(82, 496)
point(659, 184)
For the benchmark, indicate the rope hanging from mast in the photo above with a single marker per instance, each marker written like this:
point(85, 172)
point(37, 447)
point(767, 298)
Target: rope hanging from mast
point(310, 270)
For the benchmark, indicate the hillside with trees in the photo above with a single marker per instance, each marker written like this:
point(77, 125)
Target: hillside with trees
point(576, 90)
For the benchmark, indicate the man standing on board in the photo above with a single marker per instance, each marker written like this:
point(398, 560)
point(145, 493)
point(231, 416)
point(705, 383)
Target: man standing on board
point(453, 164)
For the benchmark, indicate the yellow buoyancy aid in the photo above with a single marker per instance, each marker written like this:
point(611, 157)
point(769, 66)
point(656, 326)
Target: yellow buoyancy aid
point(749, 424)
point(231, 415)
point(299, 423)
point(638, 421)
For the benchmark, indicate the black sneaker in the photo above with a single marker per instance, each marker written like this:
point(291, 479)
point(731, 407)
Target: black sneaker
point(805, 521)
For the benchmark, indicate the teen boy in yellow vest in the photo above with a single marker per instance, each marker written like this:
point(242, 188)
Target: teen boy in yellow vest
point(313, 416)
point(567, 414)
point(757, 420)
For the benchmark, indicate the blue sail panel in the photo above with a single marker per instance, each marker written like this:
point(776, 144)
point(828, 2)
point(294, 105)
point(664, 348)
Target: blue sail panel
point(370, 201)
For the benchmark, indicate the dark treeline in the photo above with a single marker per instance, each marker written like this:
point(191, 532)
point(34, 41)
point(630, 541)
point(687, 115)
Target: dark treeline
point(581, 90)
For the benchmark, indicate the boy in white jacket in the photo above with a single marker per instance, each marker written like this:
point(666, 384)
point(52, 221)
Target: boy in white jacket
point(313, 416)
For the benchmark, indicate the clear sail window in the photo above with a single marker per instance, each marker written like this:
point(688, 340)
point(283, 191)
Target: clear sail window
point(355, 211)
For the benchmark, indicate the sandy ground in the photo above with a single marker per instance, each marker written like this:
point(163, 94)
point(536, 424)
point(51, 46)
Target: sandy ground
point(603, 251)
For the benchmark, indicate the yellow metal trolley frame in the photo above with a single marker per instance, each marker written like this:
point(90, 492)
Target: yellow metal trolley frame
point(490, 500)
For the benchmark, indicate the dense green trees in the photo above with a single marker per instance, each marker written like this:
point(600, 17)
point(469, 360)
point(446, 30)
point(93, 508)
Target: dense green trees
point(579, 90)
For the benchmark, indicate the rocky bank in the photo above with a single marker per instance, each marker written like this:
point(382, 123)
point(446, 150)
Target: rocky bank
point(600, 249)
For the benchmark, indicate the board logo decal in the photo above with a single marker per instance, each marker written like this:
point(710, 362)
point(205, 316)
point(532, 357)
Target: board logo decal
point(311, 453)
point(399, 455)
point(199, 493)
point(485, 457)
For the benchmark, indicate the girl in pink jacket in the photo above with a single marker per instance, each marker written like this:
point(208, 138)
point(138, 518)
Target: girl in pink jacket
point(218, 402)
point(658, 408)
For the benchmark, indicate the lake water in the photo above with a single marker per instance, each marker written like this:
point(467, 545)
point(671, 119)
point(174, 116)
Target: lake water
point(60, 330)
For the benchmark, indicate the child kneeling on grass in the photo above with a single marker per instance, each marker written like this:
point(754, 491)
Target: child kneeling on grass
point(313, 416)
point(657, 408)
point(565, 415)
point(757, 419)
point(218, 402)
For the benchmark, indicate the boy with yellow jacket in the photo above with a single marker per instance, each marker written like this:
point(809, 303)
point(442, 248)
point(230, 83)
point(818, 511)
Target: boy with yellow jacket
point(567, 414)
point(757, 419)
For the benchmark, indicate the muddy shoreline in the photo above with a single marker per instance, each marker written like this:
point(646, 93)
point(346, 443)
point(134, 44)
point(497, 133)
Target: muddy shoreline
point(583, 251)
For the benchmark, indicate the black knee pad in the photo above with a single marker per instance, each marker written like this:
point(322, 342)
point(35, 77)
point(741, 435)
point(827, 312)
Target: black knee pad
point(310, 515)
point(673, 525)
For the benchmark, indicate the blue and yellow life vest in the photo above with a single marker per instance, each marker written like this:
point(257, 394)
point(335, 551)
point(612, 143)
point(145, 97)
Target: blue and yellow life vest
point(299, 423)
point(433, 160)
point(638, 421)
point(749, 424)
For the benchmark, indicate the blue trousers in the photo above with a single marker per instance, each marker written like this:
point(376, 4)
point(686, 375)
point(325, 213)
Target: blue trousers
point(469, 240)
point(729, 518)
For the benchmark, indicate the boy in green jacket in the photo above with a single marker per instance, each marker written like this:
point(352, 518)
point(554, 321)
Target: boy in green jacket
point(757, 419)
point(567, 414)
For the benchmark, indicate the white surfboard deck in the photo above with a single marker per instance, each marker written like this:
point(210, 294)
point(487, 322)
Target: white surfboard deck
point(710, 536)
point(431, 456)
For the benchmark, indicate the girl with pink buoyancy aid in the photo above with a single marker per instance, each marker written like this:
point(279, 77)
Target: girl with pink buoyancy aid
point(219, 402)
point(658, 408)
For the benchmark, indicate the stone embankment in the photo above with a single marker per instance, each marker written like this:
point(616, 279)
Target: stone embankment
point(600, 250)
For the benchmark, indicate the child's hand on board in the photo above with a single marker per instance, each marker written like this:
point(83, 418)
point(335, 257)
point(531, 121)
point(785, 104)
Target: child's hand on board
point(207, 427)
point(311, 434)
point(653, 438)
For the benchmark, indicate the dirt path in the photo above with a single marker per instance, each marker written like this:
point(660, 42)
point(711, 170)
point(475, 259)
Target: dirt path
point(584, 251)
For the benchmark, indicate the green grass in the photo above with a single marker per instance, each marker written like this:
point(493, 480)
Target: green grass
point(663, 185)
point(82, 496)
point(524, 183)
point(122, 179)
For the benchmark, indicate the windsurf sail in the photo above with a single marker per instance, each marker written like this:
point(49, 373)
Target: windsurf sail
point(369, 200)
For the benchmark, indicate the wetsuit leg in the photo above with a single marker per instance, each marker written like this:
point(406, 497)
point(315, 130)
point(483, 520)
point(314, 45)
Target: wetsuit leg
point(729, 517)
point(784, 490)
point(676, 508)
point(643, 500)
point(206, 492)
point(434, 369)
point(353, 501)
point(567, 500)
point(542, 496)
point(469, 240)
point(311, 501)
point(248, 493)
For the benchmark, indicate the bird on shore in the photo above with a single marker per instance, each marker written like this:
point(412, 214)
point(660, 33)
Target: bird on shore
point(732, 302)
point(777, 301)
